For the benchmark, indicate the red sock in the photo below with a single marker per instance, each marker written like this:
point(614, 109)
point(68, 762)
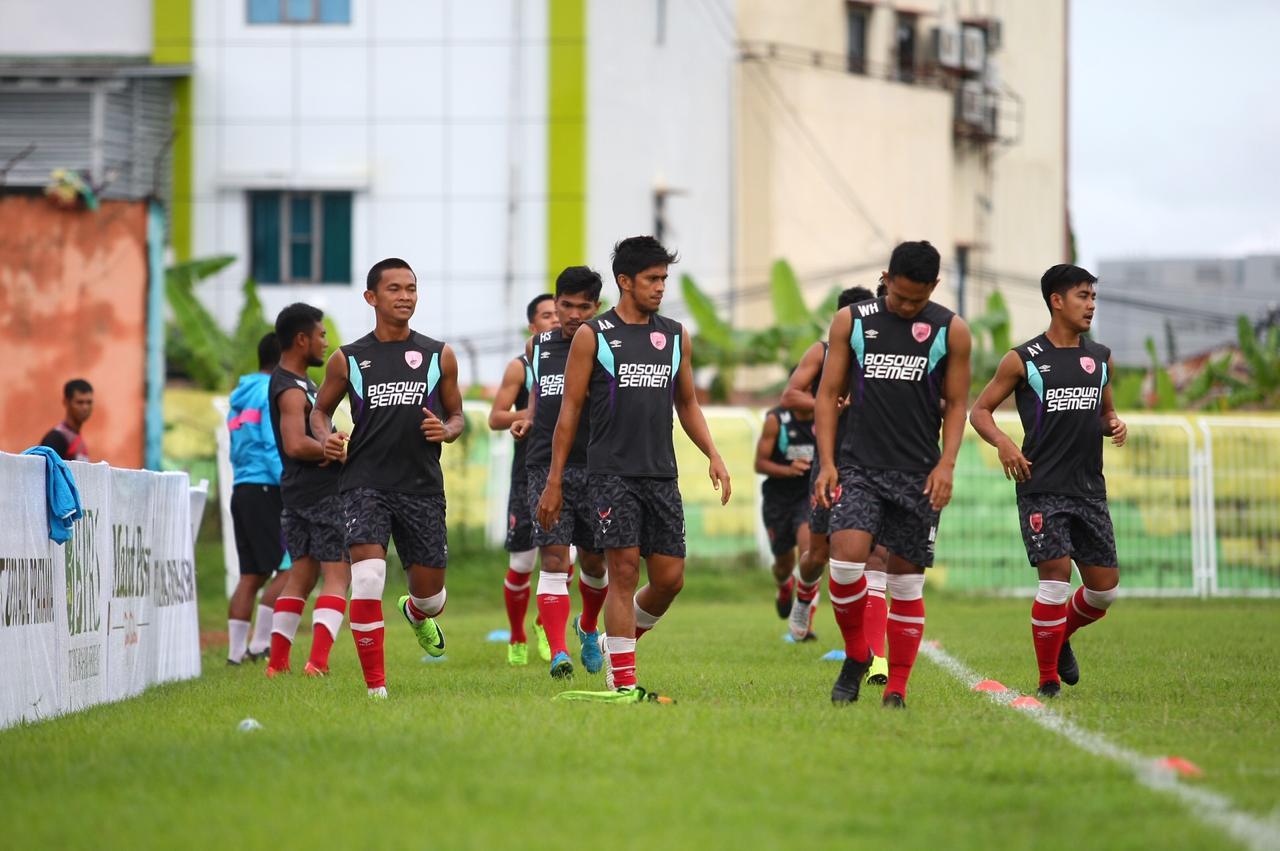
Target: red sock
point(327, 616)
point(367, 630)
point(515, 591)
point(903, 633)
point(1080, 613)
point(553, 608)
point(1047, 626)
point(592, 603)
point(849, 602)
point(786, 589)
point(282, 642)
point(873, 621)
point(806, 593)
point(622, 660)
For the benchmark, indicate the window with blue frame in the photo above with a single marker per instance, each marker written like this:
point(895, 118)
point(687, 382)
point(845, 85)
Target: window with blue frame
point(299, 11)
point(300, 237)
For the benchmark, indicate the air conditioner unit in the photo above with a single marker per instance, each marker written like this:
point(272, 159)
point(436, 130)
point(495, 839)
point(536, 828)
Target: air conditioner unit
point(973, 104)
point(946, 46)
point(974, 48)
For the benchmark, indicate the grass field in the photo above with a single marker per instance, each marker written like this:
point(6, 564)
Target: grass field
point(469, 753)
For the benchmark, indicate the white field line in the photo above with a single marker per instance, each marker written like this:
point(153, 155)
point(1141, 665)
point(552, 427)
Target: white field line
point(1254, 832)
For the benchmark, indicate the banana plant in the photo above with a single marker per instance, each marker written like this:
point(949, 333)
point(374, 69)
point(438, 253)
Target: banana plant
point(1163, 396)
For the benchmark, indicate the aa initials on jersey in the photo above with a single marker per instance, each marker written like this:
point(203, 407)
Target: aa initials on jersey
point(1060, 405)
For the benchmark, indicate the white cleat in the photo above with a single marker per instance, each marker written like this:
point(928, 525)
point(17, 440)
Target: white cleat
point(801, 618)
point(379, 693)
point(608, 666)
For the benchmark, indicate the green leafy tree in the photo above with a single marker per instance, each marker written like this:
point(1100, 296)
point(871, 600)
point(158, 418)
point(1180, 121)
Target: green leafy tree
point(1162, 396)
point(992, 339)
point(1220, 381)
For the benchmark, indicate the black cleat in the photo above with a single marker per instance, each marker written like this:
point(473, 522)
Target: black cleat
point(810, 636)
point(1049, 690)
point(233, 663)
point(893, 700)
point(1068, 668)
point(850, 680)
point(250, 656)
point(783, 605)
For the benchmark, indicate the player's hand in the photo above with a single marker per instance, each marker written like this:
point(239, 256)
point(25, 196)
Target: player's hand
point(842, 402)
point(432, 427)
point(549, 504)
point(335, 446)
point(520, 429)
point(938, 485)
point(799, 467)
point(827, 482)
point(1119, 431)
point(1014, 463)
point(720, 479)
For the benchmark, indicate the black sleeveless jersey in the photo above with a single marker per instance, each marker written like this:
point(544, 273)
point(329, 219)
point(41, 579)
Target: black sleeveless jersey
point(550, 355)
point(389, 384)
point(1060, 403)
point(631, 394)
point(302, 483)
point(518, 473)
point(895, 382)
point(795, 441)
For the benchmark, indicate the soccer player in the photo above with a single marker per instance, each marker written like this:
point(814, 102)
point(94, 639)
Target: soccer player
point(799, 396)
point(65, 437)
point(403, 388)
point(898, 357)
point(255, 508)
point(312, 517)
point(784, 454)
point(577, 300)
point(1061, 383)
point(514, 393)
point(635, 366)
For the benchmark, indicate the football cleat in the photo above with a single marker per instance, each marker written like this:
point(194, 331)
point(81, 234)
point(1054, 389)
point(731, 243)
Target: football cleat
point(430, 635)
point(1049, 690)
point(878, 673)
point(544, 646)
point(849, 682)
point(801, 617)
point(314, 670)
point(592, 658)
point(272, 673)
point(1068, 667)
point(517, 654)
point(893, 700)
point(379, 693)
point(608, 666)
point(561, 666)
point(786, 594)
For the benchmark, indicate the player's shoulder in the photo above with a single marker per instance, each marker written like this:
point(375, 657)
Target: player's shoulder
point(425, 342)
point(864, 309)
point(606, 321)
point(782, 414)
point(1032, 348)
point(358, 345)
point(1097, 350)
point(546, 336)
point(937, 314)
point(667, 325)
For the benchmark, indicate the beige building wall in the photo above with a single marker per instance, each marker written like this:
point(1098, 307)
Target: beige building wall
point(834, 168)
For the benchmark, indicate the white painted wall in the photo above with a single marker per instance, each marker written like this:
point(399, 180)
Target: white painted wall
point(409, 107)
point(75, 27)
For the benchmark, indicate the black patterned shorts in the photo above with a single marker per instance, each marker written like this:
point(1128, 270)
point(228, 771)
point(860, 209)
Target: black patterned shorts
point(633, 511)
point(316, 530)
point(415, 521)
point(1056, 525)
point(577, 524)
point(819, 517)
point(892, 506)
point(783, 517)
point(519, 520)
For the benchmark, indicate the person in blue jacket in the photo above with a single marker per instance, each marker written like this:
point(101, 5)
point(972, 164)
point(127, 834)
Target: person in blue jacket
point(255, 507)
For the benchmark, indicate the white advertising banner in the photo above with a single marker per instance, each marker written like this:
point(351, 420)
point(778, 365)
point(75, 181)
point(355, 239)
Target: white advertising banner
point(87, 564)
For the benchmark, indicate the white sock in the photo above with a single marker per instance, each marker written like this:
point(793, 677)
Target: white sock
point(239, 634)
point(554, 584)
point(330, 619)
point(261, 630)
point(596, 582)
point(644, 620)
point(429, 606)
point(846, 572)
point(877, 581)
point(286, 624)
point(368, 579)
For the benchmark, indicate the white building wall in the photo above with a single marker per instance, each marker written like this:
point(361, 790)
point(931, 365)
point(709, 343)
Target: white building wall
point(75, 27)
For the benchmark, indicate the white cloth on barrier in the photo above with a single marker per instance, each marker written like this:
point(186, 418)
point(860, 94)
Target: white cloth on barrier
point(110, 612)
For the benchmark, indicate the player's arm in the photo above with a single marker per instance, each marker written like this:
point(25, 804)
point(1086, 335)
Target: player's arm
point(797, 396)
point(520, 428)
point(298, 445)
point(500, 415)
point(826, 409)
point(327, 399)
point(1112, 425)
point(695, 424)
point(955, 392)
point(765, 465)
point(577, 380)
point(446, 430)
point(1009, 374)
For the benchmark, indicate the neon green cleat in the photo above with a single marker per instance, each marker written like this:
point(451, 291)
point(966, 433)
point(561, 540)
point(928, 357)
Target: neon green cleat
point(430, 635)
point(517, 654)
point(878, 673)
point(544, 646)
point(626, 694)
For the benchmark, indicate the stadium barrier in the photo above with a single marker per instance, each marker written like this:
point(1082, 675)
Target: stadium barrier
point(110, 612)
point(1195, 502)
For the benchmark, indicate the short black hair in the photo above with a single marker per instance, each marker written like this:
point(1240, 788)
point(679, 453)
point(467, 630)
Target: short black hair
point(74, 386)
point(915, 261)
point(268, 351)
point(853, 295)
point(882, 289)
point(532, 309)
point(1062, 279)
point(376, 270)
point(634, 254)
point(582, 280)
point(297, 318)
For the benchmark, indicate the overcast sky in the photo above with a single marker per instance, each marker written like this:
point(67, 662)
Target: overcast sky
point(1175, 127)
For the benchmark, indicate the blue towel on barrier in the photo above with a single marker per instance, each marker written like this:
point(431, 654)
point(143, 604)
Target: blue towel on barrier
point(61, 493)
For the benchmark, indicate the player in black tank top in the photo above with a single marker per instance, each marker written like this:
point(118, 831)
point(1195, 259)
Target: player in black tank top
point(312, 518)
point(899, 358)
point(632, 366)
point(784, 454)
point(405, 403)
point(1060, 381)
point(510, 411)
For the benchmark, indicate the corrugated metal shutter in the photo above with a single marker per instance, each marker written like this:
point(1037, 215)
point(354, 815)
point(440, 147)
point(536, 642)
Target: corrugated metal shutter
point(57, 122)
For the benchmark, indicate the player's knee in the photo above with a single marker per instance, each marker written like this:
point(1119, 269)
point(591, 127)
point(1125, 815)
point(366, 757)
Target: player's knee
point(846, 572)
point(877, 581)
point(368, 578)
point(1101, 599)
point(1052, 592)
point(907, 586)
point(522, 562)
point(668, 586)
